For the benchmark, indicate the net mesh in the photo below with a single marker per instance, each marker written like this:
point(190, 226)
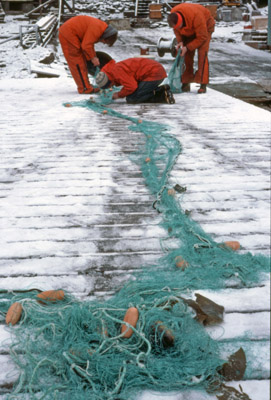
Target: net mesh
point(72, 349)
point(175, 73)
point(75, 349)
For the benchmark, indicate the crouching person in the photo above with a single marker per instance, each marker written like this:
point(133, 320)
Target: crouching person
point(140, 79)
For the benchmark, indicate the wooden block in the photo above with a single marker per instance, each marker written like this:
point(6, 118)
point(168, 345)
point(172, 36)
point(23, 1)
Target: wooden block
point(259, 22)
point(213, 9)
point(155, 11)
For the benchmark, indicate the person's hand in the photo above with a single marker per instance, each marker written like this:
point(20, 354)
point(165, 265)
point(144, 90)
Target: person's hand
point(115, 96)
point(95, 61)
point(184, 50)
point(179, 45)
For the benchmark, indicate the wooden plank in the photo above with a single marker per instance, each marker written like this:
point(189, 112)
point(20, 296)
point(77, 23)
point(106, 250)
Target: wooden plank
point(241, 300)
point(46, 70)
point(262, 388)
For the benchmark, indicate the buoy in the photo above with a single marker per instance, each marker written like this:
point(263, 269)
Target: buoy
point(14, 313)
point(131, 317)
point(105, 111)
point(140, 121)
point(171, 192)
point(50, 296)
point(181, 263)
point(68, 105)
point(147, 159)
point(233, 244)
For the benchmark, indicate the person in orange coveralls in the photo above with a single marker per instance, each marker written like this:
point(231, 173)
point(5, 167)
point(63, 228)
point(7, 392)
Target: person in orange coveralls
point(193, 26)
point(77, 37)
point(140, 79)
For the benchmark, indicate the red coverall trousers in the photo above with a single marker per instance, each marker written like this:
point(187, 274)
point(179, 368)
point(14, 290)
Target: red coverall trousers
point(202, 73)
point(77, 64)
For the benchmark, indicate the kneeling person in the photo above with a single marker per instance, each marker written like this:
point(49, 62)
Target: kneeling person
point(140, 79)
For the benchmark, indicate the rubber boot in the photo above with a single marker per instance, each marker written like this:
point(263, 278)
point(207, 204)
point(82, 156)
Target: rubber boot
point(169, 95)
point(202, 89)
point(186, 87)
point(158, 96)
point(162, 94)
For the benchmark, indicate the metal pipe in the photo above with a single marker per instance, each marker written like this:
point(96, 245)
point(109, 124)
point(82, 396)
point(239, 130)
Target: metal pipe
point(39, 7)
point(60, 11)
point(269, 24)
point(136, 8)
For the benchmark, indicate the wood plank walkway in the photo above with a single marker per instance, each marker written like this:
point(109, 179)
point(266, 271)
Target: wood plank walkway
point(75, 212)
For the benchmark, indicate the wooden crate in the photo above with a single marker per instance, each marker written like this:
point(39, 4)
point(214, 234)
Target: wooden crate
point(155, 11)
point(213, 9)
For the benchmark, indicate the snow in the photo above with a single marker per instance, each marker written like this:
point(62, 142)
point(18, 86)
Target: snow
point(17, 78)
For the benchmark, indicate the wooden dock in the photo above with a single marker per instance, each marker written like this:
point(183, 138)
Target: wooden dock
point(75, 212)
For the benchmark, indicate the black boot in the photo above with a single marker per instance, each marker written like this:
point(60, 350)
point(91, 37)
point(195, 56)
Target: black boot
point(202, 88)
point(162, 94)
point(186, 87)
point(169, 95)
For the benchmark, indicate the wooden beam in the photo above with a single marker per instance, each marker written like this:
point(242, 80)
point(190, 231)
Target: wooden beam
point(39, 7)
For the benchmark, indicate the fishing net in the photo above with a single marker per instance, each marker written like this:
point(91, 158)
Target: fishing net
point(73, 349)
point(175, 73)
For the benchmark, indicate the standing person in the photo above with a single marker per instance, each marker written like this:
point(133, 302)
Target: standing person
point(140, 79)
point(77, 37)
point(193, 25)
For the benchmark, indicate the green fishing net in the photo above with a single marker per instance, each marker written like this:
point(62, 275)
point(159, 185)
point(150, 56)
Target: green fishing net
point(175, 73)
point(75, 350)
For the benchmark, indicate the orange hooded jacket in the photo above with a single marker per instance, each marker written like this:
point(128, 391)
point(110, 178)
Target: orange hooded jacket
point(83, 32)
point(198, 24)
point(129, 72)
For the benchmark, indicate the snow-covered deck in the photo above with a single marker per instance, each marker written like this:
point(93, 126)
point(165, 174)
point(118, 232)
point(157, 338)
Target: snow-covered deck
point(75, 212)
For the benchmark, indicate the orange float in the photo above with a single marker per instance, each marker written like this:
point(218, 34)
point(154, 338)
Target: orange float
point(233, 244)
point(14, 313)
point(51, 296)
point(171, 192)
point(131, 317)
point(181, 263)
point(147, 159)
point(68, 105)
